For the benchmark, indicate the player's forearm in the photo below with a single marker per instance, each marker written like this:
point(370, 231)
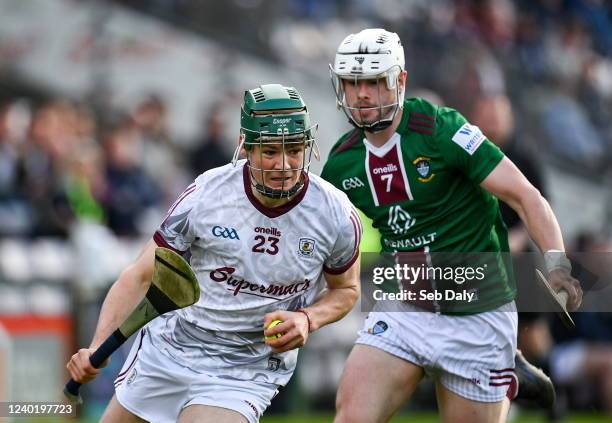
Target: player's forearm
point(540, 221)
point(339, 298)
point(333, 305)
point(123, 297)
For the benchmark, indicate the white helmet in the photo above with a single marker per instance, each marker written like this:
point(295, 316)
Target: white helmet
point(370, 54)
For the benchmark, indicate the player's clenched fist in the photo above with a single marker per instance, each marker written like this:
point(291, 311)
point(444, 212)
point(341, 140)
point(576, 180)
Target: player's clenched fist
point(561, 279)
point(293, 330)
point(80, 367)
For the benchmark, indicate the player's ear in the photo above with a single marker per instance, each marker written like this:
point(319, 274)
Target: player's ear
point(403, 80)
point(242, 152)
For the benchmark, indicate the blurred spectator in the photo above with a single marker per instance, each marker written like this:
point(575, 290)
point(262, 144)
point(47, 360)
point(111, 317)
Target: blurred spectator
point(210, 151)
point(530, 48)
point(15, 210)
point(161, 159)
point(131, 194)
point(473, 72)
point(493, 21)
point(581, 359)
point(85, 184)
point(567, 50)
point(571, 134)
point(51, 140)
point(597, 15)
point(596, 95)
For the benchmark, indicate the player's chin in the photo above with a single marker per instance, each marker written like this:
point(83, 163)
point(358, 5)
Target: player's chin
point(365, 116)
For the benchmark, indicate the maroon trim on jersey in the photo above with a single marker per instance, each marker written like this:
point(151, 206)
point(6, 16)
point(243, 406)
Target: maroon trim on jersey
point(379, 168)
point(272, 212)
point(191, 188)
point(357, 232)
point(340, 270)
point(421, 123)
point(356, 216)
point(352, 139)
point(161, 242)
point(422, 116)
point(420, 129)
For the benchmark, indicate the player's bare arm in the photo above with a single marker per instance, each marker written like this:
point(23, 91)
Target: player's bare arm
point(123, 297)
point(337, 300)
point(508, 184)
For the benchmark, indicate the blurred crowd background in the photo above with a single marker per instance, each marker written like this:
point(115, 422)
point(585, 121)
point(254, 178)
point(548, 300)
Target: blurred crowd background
point(108, 109)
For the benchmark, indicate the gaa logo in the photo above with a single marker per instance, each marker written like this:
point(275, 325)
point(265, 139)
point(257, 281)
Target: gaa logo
point(221, 232)
point(351, 183)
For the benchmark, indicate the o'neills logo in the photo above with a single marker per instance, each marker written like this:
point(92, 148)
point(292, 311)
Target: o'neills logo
point(387, 169)
point(237, 286)
point(269, 231)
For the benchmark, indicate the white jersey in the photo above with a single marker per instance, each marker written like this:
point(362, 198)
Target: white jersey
point(250, 260)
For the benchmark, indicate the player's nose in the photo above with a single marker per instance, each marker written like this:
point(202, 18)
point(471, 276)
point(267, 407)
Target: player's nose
point(282, 162)
point(362, 88)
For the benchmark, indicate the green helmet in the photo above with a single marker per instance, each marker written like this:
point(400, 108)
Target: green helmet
point(274, 114)
point(273, 111)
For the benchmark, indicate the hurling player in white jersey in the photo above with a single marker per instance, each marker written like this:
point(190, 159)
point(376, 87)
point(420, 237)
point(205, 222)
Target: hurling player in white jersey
point(268, 241)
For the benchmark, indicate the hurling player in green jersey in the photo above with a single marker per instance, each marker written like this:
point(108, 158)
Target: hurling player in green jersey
point(430, 181)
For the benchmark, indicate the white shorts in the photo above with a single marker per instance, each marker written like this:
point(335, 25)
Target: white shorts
point(156, 388)
point(472, 356)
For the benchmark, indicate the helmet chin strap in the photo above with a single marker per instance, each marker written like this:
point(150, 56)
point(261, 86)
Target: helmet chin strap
point(379, 126)
point(278, 193)
point(275, 193)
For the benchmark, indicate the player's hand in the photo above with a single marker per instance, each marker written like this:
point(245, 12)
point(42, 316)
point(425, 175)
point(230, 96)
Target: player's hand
point(294, 329)
point(561, 279)
point(80, 367)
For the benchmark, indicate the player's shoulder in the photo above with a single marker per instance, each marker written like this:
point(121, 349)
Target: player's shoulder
point(350, 140)
point(326, 194)
point(420, 117)
point(322, 186)
point(217, 181)
point(434, 122)
point(342, 154)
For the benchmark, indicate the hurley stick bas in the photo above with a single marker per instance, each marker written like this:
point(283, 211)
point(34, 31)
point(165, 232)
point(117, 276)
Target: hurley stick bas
point(174, 286)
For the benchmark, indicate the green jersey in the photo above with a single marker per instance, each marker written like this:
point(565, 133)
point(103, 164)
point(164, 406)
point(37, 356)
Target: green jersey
point(421, 190)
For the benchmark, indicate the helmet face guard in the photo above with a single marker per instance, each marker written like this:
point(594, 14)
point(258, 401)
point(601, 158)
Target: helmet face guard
point(372, 54)
point(386, 112)
point(274, 116)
